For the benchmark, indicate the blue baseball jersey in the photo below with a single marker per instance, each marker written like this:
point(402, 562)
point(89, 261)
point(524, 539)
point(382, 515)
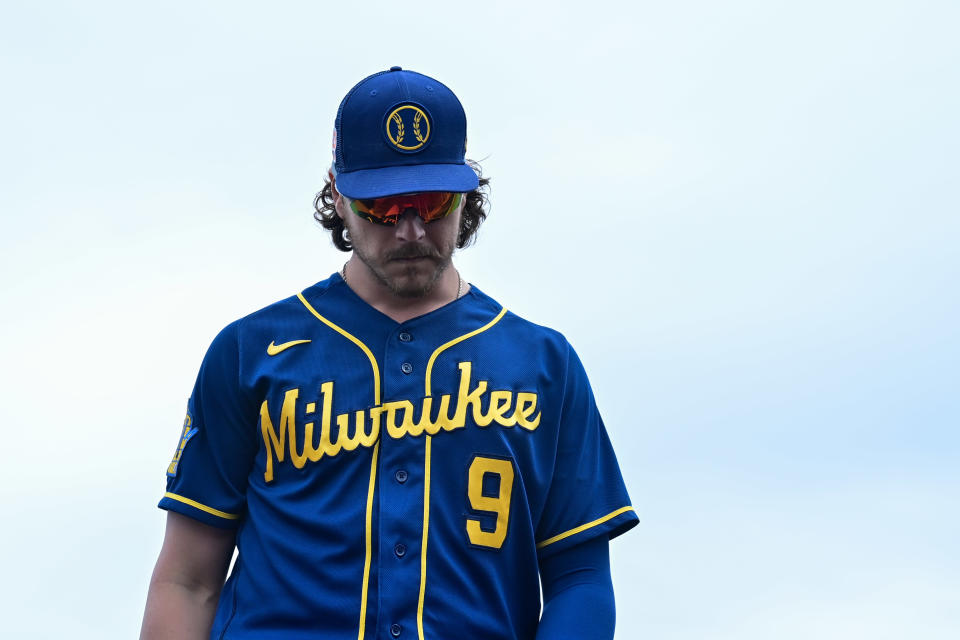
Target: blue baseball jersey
point(392, 480)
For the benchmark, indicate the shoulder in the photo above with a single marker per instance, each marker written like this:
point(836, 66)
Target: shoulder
point(283, 320)
point(522, 334)
point(324, 294)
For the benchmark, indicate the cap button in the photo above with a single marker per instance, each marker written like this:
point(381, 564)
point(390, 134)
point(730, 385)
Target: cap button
point(396, 68)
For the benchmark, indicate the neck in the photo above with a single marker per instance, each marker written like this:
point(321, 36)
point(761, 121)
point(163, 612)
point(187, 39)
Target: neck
point(377, 294)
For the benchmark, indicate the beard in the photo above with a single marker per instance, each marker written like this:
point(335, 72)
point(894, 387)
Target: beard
point(408, 279)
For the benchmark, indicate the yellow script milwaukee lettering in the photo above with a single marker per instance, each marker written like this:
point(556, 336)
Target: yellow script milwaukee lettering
point(401, 418)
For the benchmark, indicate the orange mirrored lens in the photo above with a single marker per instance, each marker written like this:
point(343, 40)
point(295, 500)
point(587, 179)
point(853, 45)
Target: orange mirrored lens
point(429, 206)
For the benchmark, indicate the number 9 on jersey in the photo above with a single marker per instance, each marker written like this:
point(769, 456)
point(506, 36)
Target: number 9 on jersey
point(480, 469)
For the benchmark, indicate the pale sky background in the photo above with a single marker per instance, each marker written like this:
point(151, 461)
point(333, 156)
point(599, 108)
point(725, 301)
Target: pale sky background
point(743, 215)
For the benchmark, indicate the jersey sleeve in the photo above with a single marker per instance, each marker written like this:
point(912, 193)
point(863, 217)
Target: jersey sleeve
point(587, 496)
point(207, 478)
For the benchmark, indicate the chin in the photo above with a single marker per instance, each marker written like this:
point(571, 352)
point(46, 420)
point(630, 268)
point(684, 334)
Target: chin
point(412, 287)
point(415, 281)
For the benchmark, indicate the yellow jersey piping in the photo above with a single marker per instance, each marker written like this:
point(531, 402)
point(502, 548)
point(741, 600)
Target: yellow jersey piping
point(465, 336)
point(368, 535)
point(202, 507)
point(349, 336)
point(423, 540)
point(583, 527)
point(366, 560)
point(426, 475)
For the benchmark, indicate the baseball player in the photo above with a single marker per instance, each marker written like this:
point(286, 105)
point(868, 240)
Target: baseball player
point(391, 452)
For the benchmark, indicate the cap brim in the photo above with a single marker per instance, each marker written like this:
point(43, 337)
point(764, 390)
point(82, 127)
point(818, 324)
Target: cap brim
point(391, 181)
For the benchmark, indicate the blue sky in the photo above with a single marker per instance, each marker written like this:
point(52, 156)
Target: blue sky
point(743, 215)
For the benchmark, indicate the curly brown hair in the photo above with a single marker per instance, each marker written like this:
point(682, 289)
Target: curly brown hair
point(474, 213)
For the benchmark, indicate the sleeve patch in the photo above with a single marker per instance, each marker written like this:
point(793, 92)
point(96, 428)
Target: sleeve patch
point(188, 432)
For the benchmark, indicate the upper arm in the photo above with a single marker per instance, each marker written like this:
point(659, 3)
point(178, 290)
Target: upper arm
point(585, 563)
point(578, 593)
point(187, 580)
point(194, 555)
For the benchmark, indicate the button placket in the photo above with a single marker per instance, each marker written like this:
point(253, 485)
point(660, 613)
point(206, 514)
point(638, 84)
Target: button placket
point(403, 362)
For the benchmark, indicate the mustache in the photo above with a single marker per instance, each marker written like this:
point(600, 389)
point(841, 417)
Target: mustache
point(414, 251)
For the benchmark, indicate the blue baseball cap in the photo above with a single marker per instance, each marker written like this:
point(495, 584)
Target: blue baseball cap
point(400, 132)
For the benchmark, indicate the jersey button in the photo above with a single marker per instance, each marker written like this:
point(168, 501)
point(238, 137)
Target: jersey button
point(396, 630)
point(400, 550)
point(401, 476)
point(406, 367)
point(405, 337)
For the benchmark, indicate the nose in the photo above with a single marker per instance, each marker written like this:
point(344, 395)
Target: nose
point(410, 226)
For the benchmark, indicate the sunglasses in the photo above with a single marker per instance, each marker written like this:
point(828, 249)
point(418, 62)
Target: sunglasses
point(429, 206)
